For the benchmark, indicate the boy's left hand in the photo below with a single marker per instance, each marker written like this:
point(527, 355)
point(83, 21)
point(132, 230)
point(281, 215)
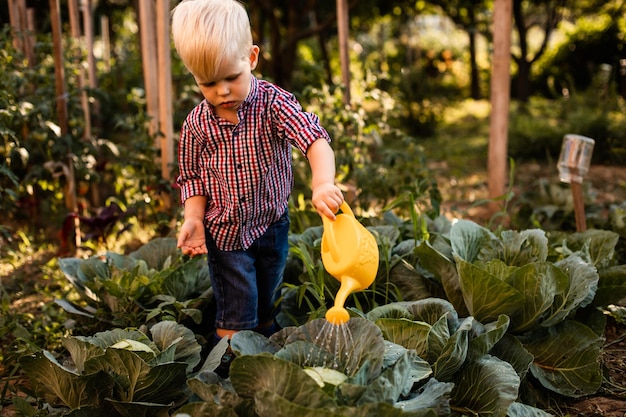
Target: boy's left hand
point(326, 199)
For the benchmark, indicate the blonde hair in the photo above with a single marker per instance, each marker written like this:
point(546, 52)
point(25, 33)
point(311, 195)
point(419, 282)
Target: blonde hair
point(208, 32)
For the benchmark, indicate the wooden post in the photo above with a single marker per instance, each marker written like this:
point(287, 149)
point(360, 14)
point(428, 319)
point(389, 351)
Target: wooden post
point(21, 19)
point(74, 15)
point(165, 88)
point(147, 16)
point(61, 104)
point(106, 42)
point(29, 36)
point(343, 25)
point(59, 69)
point(500, 100)
point(579, 206)
point(91, 59)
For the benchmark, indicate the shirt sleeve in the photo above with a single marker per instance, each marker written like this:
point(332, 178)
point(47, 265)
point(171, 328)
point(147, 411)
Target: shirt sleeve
point(300, 128)
point(190, 148)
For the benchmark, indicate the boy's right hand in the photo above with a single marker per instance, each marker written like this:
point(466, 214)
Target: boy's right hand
point(191, 239)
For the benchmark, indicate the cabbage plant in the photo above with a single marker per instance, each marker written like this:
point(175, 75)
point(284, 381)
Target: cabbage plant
point(154, 282)
point(372, 366)
point(550, 287)
point(117, 372)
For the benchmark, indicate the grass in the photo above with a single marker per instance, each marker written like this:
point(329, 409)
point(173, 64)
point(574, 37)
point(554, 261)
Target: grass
point(462, 138)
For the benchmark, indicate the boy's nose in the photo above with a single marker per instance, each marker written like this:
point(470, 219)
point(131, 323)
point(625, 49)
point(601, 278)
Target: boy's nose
point(223, 89)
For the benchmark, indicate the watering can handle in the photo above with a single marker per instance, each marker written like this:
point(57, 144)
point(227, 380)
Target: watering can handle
point(344, 207)
point(328, 230)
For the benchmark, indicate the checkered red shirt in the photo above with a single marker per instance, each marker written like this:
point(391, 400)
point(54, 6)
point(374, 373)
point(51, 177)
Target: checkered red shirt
point(245, 169)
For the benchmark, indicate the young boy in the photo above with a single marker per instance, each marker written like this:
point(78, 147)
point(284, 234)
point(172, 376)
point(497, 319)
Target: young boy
point(235, 164)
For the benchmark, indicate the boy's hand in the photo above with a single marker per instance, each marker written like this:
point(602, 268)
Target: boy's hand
point(326, 199)
point(191, 239)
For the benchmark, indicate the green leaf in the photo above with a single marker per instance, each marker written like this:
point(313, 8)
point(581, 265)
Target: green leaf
point(409, 282)
point(511, 350)
point(81, 351)
point(61, 385)
point(438, 338)
point(521, 248)
point(486, 295)
point(446, 272)
point(248, 342)
point(611, 286)
point(567, 359)
point(539, 283)
point(207, 409)
point(390, 384)
point(488, 337)
point(169, 334)
point(579, 291)
point(139, 382)
point(434, 396)
point(431, 310)
point(468, 239)
point(598, 244)
point(395, 310)
point(71, 269)
point(221, 396)
point(158, 252)
point(110, 337)
point(486, 387)
point(139, 409)
point(254, 374)
point(408, 333)
point(523, 410)
point(454, 353)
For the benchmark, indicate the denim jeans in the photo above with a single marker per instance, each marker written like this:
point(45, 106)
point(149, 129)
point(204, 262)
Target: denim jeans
point(246, 283)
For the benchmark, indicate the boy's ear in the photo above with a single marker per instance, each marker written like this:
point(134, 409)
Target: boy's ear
point(254, 57)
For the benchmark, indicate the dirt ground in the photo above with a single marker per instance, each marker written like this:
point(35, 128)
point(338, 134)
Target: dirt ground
point(606, 185)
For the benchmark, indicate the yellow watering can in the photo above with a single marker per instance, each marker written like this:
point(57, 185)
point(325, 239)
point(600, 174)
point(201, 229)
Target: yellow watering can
point(350, 254)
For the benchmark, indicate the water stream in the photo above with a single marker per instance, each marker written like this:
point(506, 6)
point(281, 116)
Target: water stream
point(335, 348)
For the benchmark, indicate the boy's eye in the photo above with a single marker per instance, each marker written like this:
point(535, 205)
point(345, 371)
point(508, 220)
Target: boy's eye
point(232, 77)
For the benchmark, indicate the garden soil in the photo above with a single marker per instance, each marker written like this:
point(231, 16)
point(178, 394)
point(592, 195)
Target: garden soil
point(605, 184)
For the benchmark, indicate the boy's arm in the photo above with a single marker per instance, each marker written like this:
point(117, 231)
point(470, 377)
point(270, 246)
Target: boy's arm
point(191, 238)
point(326, 196)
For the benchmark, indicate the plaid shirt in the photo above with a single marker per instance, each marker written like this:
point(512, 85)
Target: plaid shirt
point(244, 170)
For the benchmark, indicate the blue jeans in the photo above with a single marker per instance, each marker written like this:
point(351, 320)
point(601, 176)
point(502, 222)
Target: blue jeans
point(246, 283)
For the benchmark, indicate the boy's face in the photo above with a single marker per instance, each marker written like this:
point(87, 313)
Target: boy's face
point(231, 87)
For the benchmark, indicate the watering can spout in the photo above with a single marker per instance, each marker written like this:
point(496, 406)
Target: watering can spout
point(350, 255)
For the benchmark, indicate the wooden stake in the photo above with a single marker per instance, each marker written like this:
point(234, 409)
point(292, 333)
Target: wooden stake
point(147, 16)
point(500, 100)
point(579, 202)
point(343, 24)
point(74, 15)
point(61, 101)
point(165, 88)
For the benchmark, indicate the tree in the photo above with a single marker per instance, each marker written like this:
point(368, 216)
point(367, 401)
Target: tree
point(280, 25)
point(473, 17)
point(542, 14)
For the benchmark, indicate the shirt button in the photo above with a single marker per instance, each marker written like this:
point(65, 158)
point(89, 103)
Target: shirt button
point(242, 199)
point(238, 166)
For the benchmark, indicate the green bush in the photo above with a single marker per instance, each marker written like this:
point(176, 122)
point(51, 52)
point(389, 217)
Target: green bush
point(536, 129)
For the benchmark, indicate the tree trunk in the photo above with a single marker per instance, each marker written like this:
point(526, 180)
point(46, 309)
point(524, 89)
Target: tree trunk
point(522, 81)
point(474, 76)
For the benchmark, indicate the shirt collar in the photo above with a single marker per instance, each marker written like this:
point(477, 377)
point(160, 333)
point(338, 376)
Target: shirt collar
point(254, 88)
